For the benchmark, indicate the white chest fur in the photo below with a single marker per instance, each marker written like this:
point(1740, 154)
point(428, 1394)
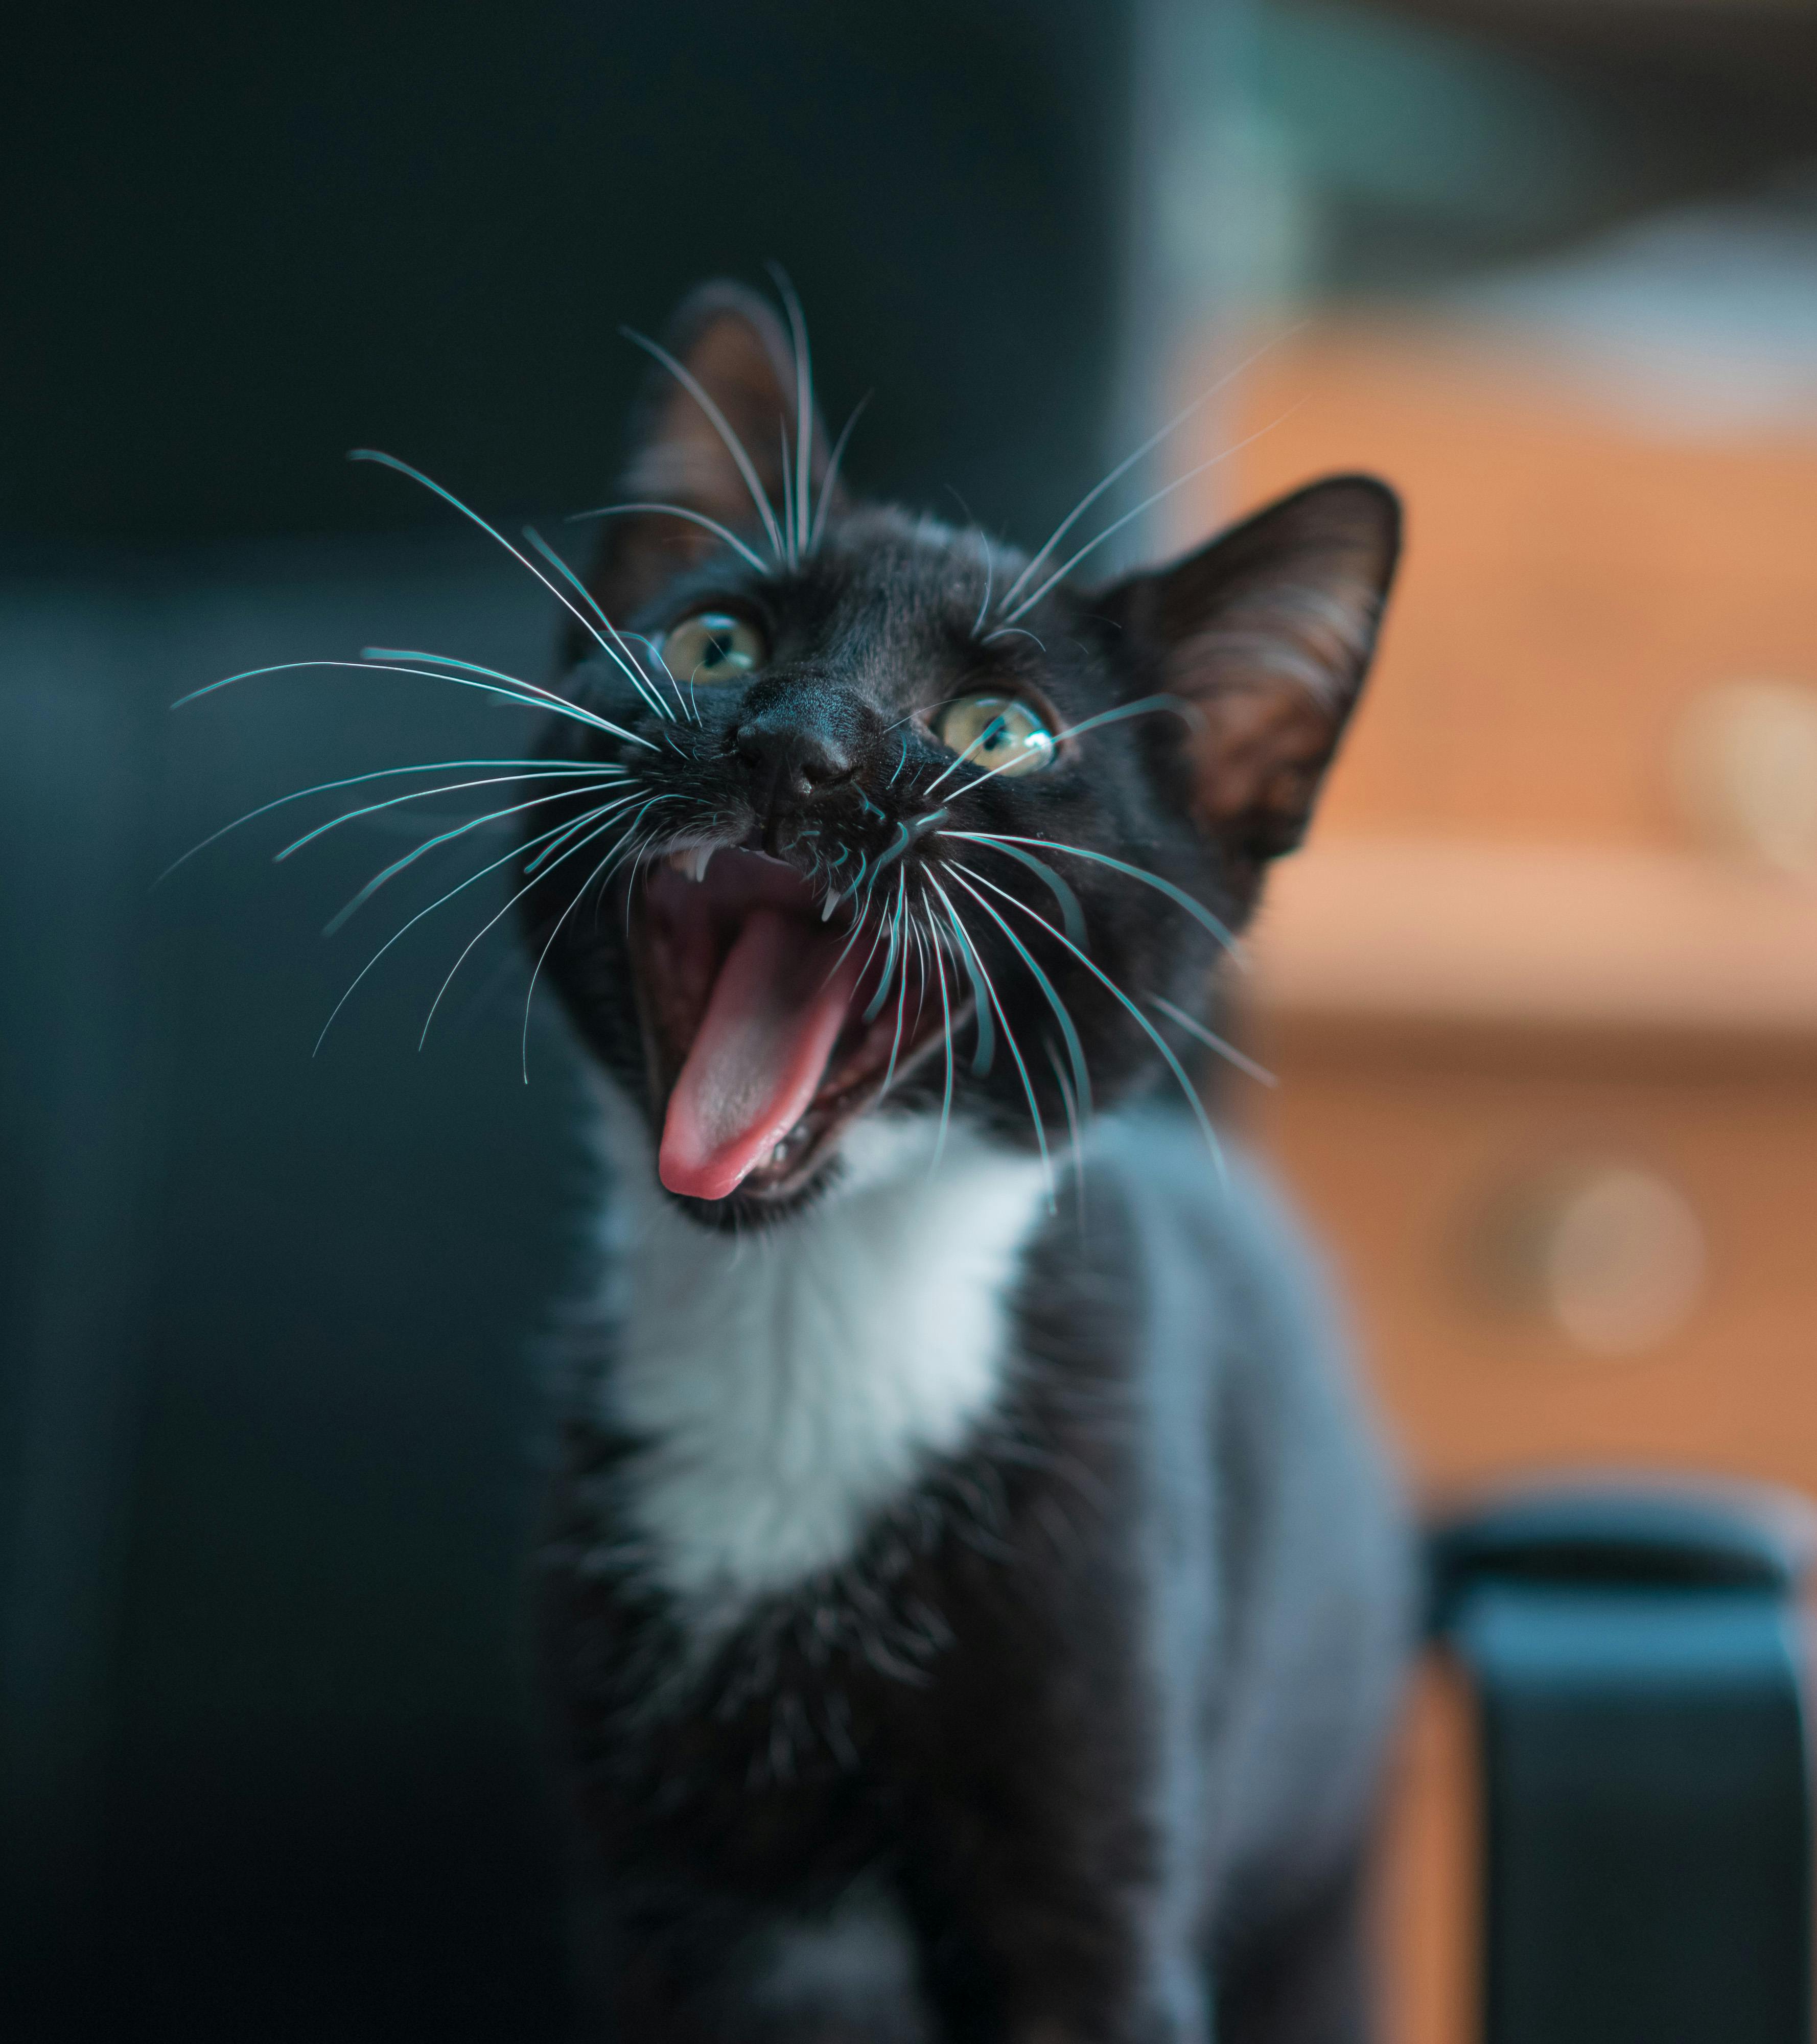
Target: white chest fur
point(790, 1382)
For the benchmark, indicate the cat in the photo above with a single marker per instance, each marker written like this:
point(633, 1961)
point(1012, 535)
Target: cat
point(972, 1603)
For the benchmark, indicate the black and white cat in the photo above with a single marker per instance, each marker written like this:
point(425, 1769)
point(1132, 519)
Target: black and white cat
point(973, 1607)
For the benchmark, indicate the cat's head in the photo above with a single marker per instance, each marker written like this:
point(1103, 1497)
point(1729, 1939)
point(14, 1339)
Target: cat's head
point(906, 818)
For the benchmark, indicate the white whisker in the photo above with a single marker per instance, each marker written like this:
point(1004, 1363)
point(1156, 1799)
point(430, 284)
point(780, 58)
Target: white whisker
point(1197, 910)
point(1075, 1049)
point(1129, 461)
point(527, 693)
point(734, 446)
point(472, 879)
point(700, 518)
point(1212, 1041)
point(804, 405)
point(626, 659)
point(448, 497)
point(1148, 1027)
point(535, 879)
point(831, 476)
point(1148, 504)
point(581, 773)
point(398, 866)
point(976, 964)
point(346, 780)
point(580, 895)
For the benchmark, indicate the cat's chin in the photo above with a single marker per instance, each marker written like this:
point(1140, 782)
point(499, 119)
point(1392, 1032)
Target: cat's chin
point(769, 1030)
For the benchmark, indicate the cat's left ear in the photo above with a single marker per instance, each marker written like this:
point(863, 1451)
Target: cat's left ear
point(1266, 632)
point(716, 449)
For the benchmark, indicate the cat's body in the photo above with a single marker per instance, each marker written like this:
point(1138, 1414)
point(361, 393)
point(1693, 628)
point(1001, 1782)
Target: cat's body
point(1019, 1691)
point(972, 1604)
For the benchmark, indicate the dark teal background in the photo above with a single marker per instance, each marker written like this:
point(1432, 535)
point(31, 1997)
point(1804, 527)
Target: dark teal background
point(271, 1416)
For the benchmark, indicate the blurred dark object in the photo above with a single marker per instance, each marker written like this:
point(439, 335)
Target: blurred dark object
point(1645, 1776)
point(267, 1413)
point(239, 241)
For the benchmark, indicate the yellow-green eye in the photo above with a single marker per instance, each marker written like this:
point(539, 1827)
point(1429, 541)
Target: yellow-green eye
point(997, 734)
point(713, 645)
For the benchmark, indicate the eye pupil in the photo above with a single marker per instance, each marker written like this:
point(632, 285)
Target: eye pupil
point(713, 645)
point(998, 735)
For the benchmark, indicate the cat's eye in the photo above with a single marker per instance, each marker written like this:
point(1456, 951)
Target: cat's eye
point(997, 734)
point(712, 645)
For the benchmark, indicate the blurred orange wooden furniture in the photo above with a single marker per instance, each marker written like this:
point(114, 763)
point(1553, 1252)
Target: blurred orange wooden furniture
point(1542, 996)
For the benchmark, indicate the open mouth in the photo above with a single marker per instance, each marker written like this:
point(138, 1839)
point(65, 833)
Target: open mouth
point(755, 1010)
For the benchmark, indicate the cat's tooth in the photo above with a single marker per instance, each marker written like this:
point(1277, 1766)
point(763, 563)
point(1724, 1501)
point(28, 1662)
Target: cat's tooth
point(691, 861)
point(832, 903)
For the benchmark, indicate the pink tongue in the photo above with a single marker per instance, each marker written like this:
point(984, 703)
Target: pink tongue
point(772, 1022)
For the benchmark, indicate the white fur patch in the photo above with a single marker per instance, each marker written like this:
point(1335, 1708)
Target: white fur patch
point(790, 1381)
point(860, 1958)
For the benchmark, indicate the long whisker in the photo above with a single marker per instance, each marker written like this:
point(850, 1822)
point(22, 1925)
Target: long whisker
point(580, 895)
point(734, 446)
point(623, 656)
point(831, 476)
point(547, 855)
point(1176, 704)
point(429, 844)
point(581, 773)
point(977, 965)
point(877, 999)
point(396, 936)
point(1075, 1141)
point(916, 934)
point(1032, 567)
point(1148, 504)
point(946, 1037)
point(1075, 1049)
point(860, 918)
point(984, 1050)
point(788, 493)
point(527, 693)
point(700, 518)
point(1148, 1027)
point(1212, 1041)
point(989, 559)
point(1188, 713)
point(448, 497)
point(1196, 910)
point(901, 1006)
point(1123, 466)
point(533, 694)
point(1071, 914)
point(491, 921)
point(346, 781)
point(984, 738)
point(804, 401)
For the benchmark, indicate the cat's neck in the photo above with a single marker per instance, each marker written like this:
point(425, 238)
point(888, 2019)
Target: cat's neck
point(787, 1385)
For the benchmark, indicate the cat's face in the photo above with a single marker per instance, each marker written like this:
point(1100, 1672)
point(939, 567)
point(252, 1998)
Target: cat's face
point(890, 831)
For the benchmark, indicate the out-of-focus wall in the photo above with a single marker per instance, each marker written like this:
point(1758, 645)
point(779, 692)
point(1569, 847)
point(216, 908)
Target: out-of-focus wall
point(1542, 994)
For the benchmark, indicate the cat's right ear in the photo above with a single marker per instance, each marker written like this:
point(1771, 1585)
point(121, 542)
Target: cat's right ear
point(1266, 635)
point(713, 440)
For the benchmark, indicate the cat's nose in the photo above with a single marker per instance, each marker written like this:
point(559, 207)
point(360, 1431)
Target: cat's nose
point(789, 759)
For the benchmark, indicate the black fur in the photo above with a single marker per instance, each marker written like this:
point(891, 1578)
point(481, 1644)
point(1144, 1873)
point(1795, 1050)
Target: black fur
point(1098, 1705)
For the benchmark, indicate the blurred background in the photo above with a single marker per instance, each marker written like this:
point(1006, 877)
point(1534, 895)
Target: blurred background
point(1543, 1004)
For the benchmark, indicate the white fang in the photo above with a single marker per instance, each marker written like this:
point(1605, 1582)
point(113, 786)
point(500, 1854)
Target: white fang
point(790, 1383)
point(691, 861)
